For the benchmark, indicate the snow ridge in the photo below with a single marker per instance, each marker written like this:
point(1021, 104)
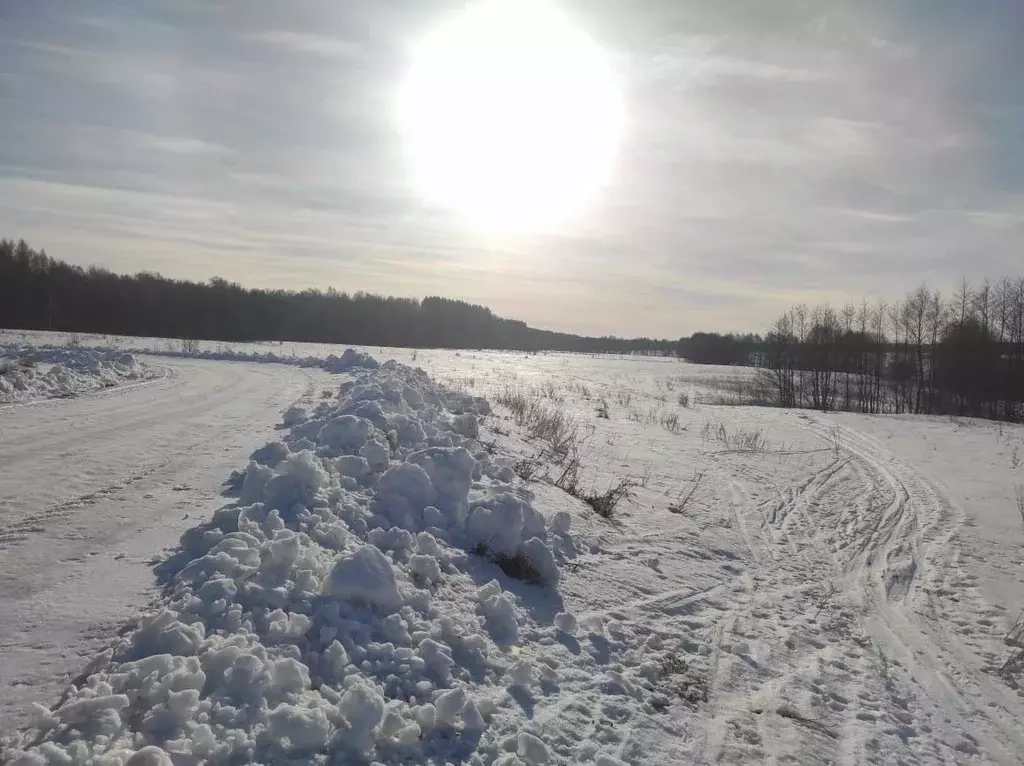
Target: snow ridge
point(28, 374)
point(337, 612)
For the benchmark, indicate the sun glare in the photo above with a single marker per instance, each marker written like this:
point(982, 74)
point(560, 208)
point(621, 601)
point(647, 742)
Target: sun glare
point(511, 116)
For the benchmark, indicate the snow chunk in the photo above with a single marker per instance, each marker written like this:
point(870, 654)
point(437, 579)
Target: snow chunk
point(449, 705)
point(521, 674)
point(78, 711)
point(296, 482)
point(542, 560)
point(363, 708)
point(403, 491)
point(466, 424)
point(150, 756)
point(426, 567)
point(270, 454)
point(438, 658)
point(500, 612)
point(349, 360)
point(451, 474)
point(377, 455)
point(293, 416)
point(353, 465)
point(532, 749)
point(27, 759)
point(566, 622)
point(304, 728)
point(560, 523)
point(255, 482)
point(497, 523)
point(346, 433)
point(366, 576)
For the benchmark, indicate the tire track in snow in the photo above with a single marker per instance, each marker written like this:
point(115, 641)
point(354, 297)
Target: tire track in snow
point(41, 522)
point(828, 682)
point(915, 540)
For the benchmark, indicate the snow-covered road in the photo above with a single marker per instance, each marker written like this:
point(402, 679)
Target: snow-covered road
point(92, 490)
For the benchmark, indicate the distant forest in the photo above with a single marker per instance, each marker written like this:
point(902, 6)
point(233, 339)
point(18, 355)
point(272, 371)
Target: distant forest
point(38, 292)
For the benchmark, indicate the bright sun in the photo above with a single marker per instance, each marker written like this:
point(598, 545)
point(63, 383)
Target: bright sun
point(511, 116)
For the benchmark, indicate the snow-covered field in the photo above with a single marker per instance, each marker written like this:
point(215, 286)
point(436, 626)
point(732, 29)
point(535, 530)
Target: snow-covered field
point(776, 586)
point(28, 374)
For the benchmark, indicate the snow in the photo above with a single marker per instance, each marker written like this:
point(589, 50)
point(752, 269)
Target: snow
point(271, 643)
point(839, 596)
point(28, 374)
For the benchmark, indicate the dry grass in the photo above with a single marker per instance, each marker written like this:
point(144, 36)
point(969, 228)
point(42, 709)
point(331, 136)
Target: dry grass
point(735, 390)
point(580, 388)
point(670, 423)
point(1014, 664)
point(686, 494)
point(542, 422)
point(569, 479)
point(526, 468)
point(738, 440)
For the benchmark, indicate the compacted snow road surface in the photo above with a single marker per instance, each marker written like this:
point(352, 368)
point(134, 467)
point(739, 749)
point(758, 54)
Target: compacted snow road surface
point(92, 492)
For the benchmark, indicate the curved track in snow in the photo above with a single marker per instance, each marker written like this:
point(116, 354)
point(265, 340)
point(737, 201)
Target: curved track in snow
point(94, 489)
point(866, 656)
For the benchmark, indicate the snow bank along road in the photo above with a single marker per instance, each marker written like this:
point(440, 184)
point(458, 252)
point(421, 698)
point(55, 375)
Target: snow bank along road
point(94, 489)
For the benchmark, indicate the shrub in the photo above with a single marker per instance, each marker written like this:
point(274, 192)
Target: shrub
point(604, 504)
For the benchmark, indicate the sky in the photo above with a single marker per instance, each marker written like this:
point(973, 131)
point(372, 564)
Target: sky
point(772, 153)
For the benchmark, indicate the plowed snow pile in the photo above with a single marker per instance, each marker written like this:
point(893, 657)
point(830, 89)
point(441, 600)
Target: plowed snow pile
point(28, 374)
point(351, 607)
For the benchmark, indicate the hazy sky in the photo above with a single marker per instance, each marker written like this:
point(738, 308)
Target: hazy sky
point(776, 151)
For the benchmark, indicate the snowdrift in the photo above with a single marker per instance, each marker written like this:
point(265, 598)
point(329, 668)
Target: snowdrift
point(28, 374)
point(349, 608)
point(349, 360)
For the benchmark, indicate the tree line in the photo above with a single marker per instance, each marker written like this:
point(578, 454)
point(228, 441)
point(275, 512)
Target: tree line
point(715, 348)
point(38, 292)
point(929, 353)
